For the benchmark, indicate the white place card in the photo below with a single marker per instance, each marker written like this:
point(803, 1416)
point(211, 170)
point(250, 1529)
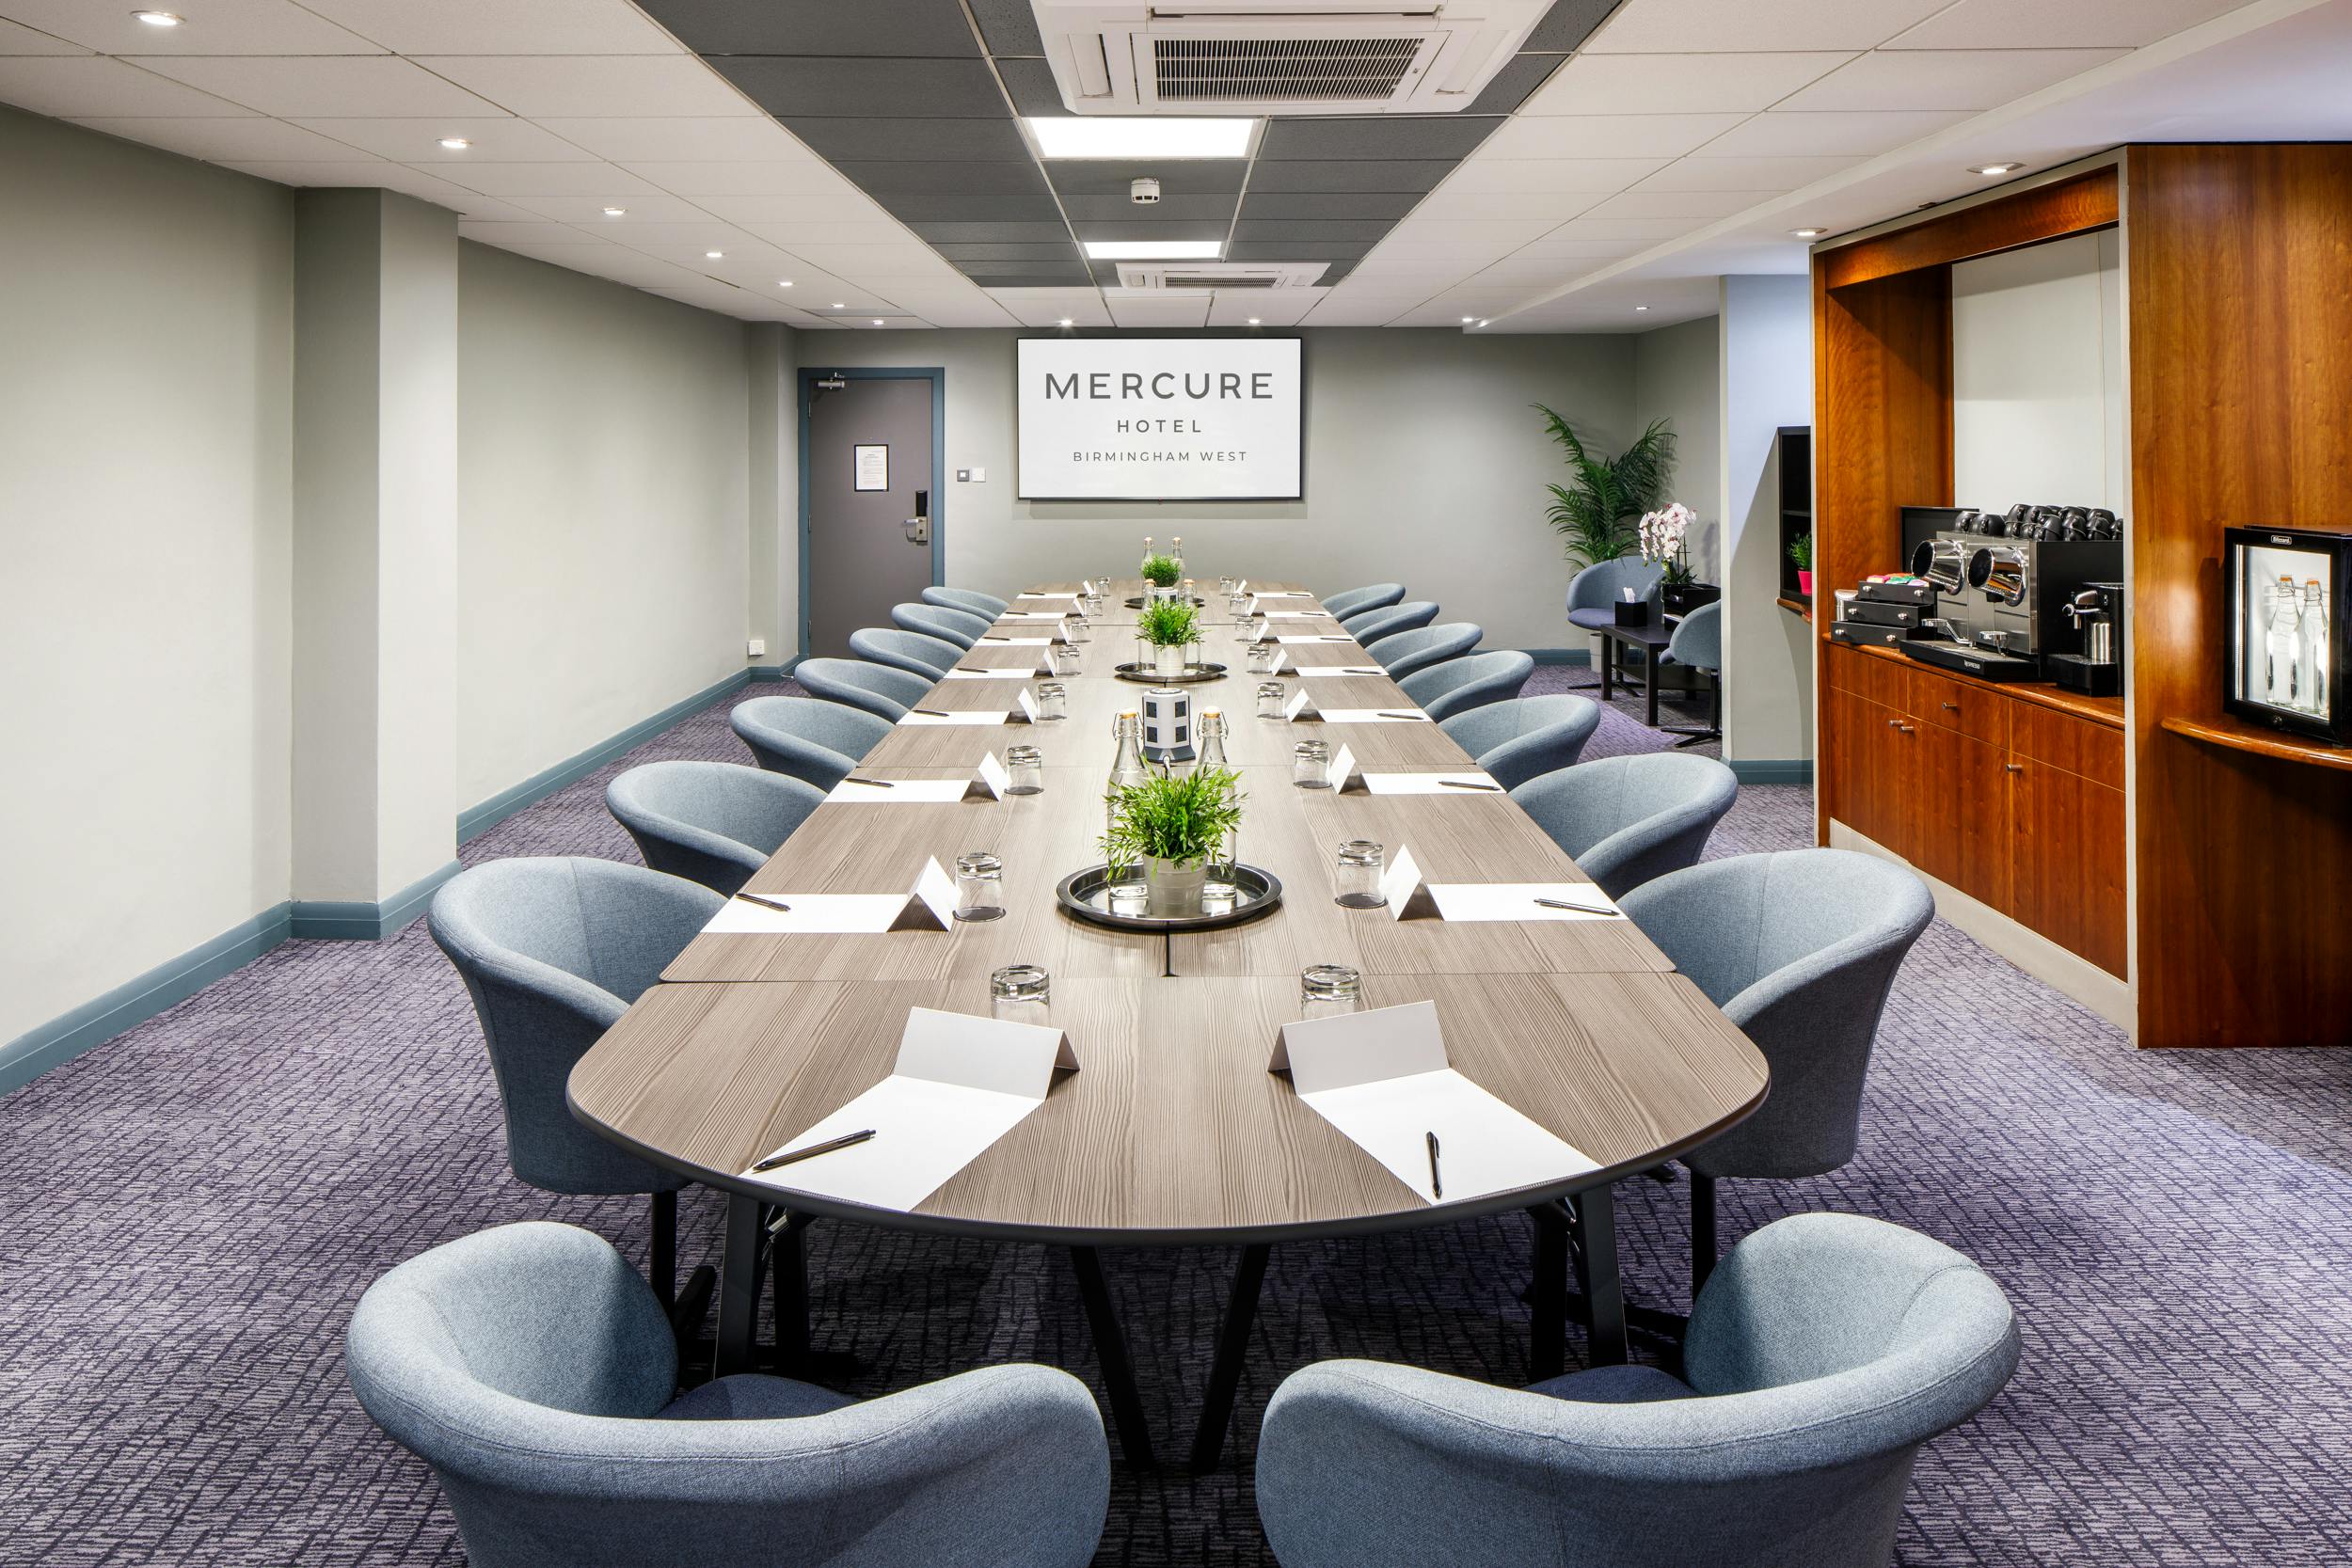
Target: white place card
point(1282, 594)
point(1329, 670)
point(1373, 716)
point(1086, 586)
point(1408, 895)
point(1242, 586)
point(988, 782)
point(930, 907)
point(1300, 709)
point(1024, 707)
point(1410, 898)
point(1382, 1078)
point(1275, 665)
point(1347, 775)
point(959, 1083)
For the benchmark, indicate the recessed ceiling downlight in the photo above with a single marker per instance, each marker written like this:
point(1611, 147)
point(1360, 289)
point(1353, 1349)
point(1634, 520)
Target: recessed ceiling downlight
point(456, 144)
point(1989, 169)
point(615, 211)
point(1808, 233)
point(159, 19)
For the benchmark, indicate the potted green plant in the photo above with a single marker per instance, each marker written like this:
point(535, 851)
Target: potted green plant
point(1160, 574)
point(1174, 825)
point(1801, 551)
point(1170, 626)
point(1594, 515)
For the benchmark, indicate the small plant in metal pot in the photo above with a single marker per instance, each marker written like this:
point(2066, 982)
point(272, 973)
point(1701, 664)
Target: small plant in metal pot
point(1170, 626)
point(1161, 570)
point(1174, 825)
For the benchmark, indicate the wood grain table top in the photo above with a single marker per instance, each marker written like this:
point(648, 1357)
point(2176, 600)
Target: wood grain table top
point(1173, 1130)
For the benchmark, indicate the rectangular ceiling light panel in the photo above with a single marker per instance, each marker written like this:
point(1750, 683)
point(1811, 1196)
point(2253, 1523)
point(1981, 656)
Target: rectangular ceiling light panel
point(1154, 251)
point(1060, 136)
point(1279, 56)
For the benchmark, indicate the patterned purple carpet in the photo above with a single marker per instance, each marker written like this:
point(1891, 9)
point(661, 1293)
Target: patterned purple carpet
point(188, 1212)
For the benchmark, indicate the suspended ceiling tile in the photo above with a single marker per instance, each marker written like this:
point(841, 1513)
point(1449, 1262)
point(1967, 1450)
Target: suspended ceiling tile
point(499, 139)
point(1025, 277)
point(1650, 228)
point(818, 28)
point(1127, 229)
point(1308, 229)
point(1787, 135)
point(586, 87)
point(804, 177)
point(1511, 86)
point(18, 39)
point(1338, 269)
point(808, 230)
point(1261, 306)
point(1402, 137)
point(797, 90)
point(875, 260)
point(2079, 23)
point(848, 206)
point(1170, 310)
point(885, 140)
point(1577, 247)
point(1048, 307)
point(215, 27)
point(997, 234)
point(1676, 204)
point(916, 208)
point(978, 312)
point(1742, 26)
point(225, 139)
point(1177, 176)
point(1946, 79)
point(1168, 208)
point(643, 206)
point(884, 180)
point(685, 242)
point(1556, 205)
point(1297, 250)
point(498, 26)
point(1328, 204)
point(1009, 26)
point(1030, 85)
point(1348, 174)
point(1032, 250)
point(1568, 24)
point(682, 138)
point(1599, 176)
point(1641, 83)
point(91, 86)
point(517, 180)
point(1466, 231)
point(1607, 135)
point(295, 87)
point(510, 236)
point(1763, 175)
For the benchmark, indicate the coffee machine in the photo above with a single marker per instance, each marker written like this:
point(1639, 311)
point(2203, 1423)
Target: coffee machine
point(2097, 609)
point(2009, 594)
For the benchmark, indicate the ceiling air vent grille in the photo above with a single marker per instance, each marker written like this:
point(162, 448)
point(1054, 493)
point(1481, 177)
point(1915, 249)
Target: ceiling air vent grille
point(1297, 70)
point(1173, 279)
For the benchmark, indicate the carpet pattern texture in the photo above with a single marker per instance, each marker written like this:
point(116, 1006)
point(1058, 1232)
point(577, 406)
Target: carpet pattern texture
point(188, 1213)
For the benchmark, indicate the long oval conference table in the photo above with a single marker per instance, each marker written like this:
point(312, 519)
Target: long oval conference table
point(1174, 1132)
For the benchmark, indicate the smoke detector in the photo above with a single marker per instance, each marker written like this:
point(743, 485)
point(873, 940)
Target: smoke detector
point(1279, 56)
point(1144, 191)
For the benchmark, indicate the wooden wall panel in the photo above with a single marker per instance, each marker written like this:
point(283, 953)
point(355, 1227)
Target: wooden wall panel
point(2240, 288)
point(2075, 206)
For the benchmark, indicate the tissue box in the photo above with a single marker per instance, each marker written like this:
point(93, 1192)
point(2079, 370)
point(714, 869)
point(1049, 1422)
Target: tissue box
point(1634, 614)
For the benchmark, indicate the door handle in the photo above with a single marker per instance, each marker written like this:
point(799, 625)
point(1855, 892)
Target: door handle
point(918, 528)
point(2011, 767)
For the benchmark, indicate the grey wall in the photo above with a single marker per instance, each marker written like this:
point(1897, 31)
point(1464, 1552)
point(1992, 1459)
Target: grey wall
point(1676, 377)
point(1424, 466)
point(2038, 396)
point(604, 504)
point(145, 419)
point(1766, 336)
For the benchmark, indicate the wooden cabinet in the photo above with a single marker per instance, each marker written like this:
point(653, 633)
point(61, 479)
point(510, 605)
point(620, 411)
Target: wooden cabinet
point(2017, 805)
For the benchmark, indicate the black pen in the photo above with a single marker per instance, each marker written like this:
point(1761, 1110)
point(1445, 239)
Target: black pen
point(1436, 1188)
point(1580, 908)
point(1464, 784)
point(931, 712)
point(886, 783)
point(826, 1147)
point(1410, 718)
point(775, 904)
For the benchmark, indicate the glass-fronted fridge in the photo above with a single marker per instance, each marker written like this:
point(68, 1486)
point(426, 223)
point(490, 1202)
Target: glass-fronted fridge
point(2284, 655)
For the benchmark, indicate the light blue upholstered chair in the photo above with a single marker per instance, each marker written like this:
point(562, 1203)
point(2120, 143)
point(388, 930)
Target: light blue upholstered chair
point(1799, 949)
point(533, 1370)
point(1402, 653)
point(910, 651)
point(1515, 741)
point(1625, 820)
point(1594, 591)
point(1369, 625)
point(960, 626)
point(816, 742)
point(1825, 1351)
point(1460, 685)
point(1355, 601)
point(877, 689)
point(553, 952)
point(1698, 642)
point(972, 599)
point(710, 822)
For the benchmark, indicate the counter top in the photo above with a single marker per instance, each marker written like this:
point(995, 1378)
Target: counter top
point(2099, 710)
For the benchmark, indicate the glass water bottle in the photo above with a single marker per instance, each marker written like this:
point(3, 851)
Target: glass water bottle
point(2286, 647)
point(1176, 553)
point(2315, 650)
point(1127, 770)
point(1213, 741)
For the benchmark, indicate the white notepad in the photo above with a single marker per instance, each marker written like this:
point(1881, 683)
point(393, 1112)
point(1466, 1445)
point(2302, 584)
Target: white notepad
point(1430, 784)
point(1411, 898)
point(960, 1084)
point(1372, 715)
point(1381, 1078)
point(929, 905)
point(988, 782)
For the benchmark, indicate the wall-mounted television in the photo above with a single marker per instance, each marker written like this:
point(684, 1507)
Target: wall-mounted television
point(1161, 419)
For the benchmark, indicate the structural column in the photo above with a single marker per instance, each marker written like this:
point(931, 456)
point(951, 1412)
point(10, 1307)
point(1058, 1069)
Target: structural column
point(375, 559)
point(1767, 382)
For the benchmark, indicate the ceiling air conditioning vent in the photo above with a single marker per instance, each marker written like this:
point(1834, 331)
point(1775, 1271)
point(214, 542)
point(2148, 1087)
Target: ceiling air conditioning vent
point(1279, 56)
point(1163, 277)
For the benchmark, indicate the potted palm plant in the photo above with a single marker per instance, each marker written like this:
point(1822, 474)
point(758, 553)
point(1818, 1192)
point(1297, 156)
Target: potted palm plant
point(1595, 512)
point(1175, 825)
point(1170, 626)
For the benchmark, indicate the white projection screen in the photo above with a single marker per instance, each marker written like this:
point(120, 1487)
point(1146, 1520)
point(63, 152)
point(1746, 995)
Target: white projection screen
point(1160, 418)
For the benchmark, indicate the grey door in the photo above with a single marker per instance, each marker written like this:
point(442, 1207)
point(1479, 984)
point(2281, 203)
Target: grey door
point(866, 550)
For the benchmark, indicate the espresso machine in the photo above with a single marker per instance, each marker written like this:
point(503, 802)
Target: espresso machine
point(2097, 609)
point(2004, 600)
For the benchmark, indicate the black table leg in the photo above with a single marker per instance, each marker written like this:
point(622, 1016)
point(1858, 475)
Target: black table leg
point(1547, 1331)
point(1604, 1293)
point(1650, 687)
point(791, 1266)
point(1110, 1349)
point(1608, 664)
point(738, 1288)
point(1233, 1348)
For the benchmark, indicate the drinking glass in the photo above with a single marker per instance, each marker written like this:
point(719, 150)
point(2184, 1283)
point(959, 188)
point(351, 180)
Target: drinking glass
point(1262, 658)
point(1064, 657)
point(1027, 769)
point(1225, 584)
point(1271, 695)
point(1327, 990)
point(1357, 883)
point(1020, 993)
point(1053, 700)
point(980, 886)
point(1127, 892)
point(1311, 765)
point(1075, 629)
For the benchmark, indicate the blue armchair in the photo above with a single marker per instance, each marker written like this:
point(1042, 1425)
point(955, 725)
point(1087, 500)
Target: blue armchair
point(1824, 1353)
point(972, 599)
point(1698, 642)
point(1520, 740)
point(1594, 591)
point(1460, 685)
point(533, 1371)
point(712, 822)
point(816, 742)
point(1626, 820)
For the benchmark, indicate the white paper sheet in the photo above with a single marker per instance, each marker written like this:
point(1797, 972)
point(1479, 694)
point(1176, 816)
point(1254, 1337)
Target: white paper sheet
point(996, 675)
point(1045, 595)
point(1034, 615)
point(1281, 593)
point(1371, 715)
point(1334, 637)
point(1014, 641)
point(988, 783)
point(1516, 901)
point(1429, 783)
point(1329, 671)
point(930, 906)
point(985, 716)
point(1293, 615)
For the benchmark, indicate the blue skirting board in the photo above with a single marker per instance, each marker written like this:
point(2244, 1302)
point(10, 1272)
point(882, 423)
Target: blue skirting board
point(136, 1001)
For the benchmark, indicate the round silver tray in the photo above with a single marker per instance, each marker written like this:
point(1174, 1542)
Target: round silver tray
point(1193, 675)
point(1137, 604)
point(1082, 895)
